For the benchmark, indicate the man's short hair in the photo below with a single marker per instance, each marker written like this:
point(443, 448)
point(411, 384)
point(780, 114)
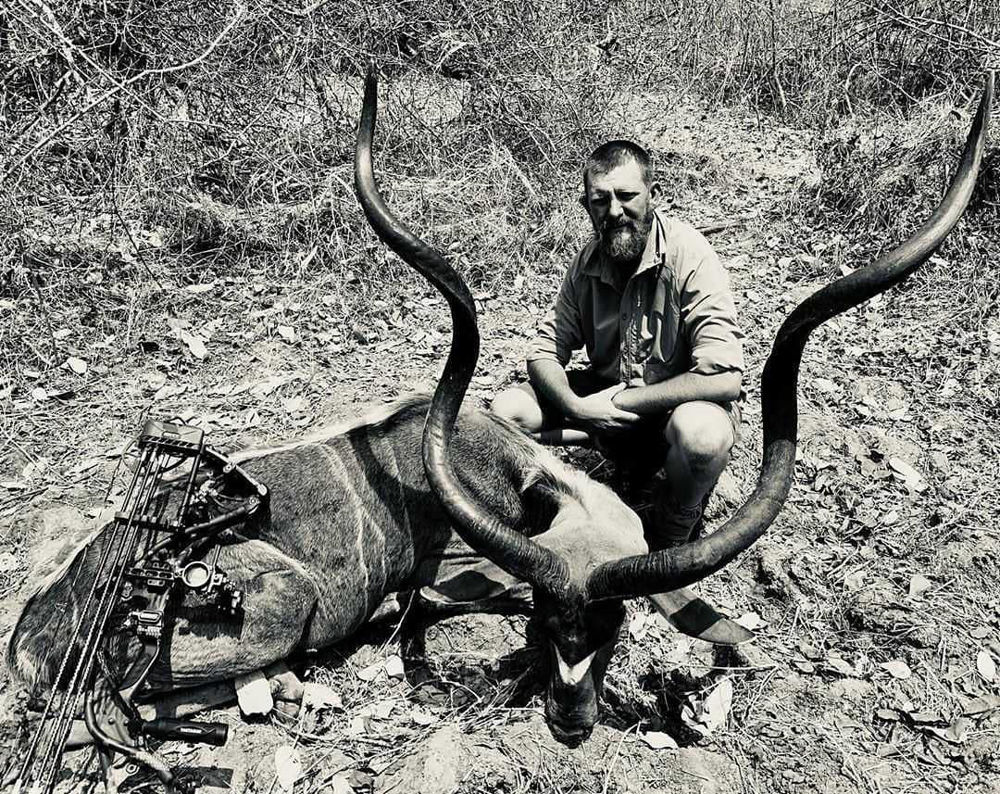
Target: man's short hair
point(615, 153)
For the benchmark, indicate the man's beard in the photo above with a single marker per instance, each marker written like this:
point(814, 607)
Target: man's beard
point(622, 243)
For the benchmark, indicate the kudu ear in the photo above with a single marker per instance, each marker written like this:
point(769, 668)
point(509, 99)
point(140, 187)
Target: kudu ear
point(540, 502)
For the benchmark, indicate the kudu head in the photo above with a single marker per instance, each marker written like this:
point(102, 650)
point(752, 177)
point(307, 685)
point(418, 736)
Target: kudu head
point(581, 568)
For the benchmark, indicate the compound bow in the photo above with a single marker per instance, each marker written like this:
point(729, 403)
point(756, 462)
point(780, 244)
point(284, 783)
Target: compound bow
point(163, 544)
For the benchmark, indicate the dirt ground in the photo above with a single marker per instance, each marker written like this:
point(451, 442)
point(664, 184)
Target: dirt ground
point(873, 598)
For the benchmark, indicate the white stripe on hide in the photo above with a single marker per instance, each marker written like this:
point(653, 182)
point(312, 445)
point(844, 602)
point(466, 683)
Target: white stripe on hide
point(360, 512)
point(572, 674)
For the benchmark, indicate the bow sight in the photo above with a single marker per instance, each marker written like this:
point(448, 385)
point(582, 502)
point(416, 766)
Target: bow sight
point(184, 502)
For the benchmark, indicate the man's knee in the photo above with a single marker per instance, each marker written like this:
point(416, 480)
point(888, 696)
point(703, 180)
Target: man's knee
point(703, 432)
point(520, 407)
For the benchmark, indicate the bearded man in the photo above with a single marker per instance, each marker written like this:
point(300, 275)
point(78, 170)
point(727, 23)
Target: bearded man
point(650, 301)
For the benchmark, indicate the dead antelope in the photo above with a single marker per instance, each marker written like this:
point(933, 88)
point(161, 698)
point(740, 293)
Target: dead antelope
point(369, 509)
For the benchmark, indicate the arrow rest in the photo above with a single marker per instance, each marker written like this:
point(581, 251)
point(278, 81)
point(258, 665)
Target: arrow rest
point(184, 502)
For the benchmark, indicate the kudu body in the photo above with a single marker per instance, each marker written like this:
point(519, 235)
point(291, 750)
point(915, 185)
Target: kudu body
point(375, 508)
point(352, 519)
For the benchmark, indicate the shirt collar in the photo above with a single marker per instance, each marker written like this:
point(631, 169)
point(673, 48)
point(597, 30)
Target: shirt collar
point(652, 255)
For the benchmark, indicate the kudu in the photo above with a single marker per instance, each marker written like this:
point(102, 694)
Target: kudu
point(373, 508)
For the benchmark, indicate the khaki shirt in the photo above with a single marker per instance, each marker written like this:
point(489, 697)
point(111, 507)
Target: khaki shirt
point(675, 314)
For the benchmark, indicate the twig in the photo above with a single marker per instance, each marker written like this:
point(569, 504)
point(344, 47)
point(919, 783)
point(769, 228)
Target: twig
point(237, 16)
point(45, 316)
point(614, 759)
point(715, 228)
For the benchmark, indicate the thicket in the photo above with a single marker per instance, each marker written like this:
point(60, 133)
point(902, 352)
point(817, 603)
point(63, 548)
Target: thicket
point(151, 143)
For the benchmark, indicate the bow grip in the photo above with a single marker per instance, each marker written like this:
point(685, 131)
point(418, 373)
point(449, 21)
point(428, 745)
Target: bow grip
point(171, 730)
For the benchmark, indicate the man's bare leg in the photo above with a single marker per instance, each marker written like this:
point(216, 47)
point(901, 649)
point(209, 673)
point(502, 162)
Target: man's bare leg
point(520, 405)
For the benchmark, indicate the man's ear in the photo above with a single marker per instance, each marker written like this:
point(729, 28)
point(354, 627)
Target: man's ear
point(655, 191)
point(583, 201)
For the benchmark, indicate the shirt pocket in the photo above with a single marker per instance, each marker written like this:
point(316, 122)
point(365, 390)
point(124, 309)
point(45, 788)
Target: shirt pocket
point(661, 338)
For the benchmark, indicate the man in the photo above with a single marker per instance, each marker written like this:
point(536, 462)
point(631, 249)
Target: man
point(651, 303)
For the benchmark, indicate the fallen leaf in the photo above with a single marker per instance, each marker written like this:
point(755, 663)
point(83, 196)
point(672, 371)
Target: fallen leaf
point(78, 365)
point(371, 672)
point(195, 344)
point(253, 692)
point(62, 333)
point(909, 475)
point(8, 562)
point(320, 696)
point(394, 667)
point(804, 666)
point(340, 784)
point(287, 765)
point(751, 621)
point(838, 665)
point(982, 705)
point(287, 333)
point(980, 632)
point(421, 717)
point(919, 584)
point(637, 626)
point(715, 709)
point(889, 715)
point(897, 669)
point(293, 405)
point(38, 394)
point(197, 289)
point(659, 740)
point(986, 666)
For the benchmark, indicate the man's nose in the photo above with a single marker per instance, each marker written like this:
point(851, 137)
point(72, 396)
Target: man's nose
point(615, 208)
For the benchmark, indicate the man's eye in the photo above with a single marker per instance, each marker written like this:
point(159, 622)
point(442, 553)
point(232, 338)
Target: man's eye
point(625, 197)
point(599, 200)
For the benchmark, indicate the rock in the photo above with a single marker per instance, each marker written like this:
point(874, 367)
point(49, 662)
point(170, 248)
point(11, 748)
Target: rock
point(852, 689)
point(437, 766)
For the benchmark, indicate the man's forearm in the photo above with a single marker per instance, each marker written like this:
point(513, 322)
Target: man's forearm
point(550, 381)
point(686, 387)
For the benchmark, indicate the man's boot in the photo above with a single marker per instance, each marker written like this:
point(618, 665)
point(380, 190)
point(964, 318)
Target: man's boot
point(668, 524)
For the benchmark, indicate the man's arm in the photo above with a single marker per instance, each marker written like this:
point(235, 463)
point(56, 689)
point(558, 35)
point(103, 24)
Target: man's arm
point(596, 412)
point(666, 395)
point(560, 333)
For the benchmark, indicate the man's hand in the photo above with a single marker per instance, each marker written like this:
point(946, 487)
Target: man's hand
point(599, 415)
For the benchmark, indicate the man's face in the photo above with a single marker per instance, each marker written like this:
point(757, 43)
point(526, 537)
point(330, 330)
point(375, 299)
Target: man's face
point(620, 207)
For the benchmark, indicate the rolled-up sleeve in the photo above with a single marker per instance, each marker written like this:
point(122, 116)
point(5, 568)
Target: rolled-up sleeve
point(708, 314)
point(561, 331)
